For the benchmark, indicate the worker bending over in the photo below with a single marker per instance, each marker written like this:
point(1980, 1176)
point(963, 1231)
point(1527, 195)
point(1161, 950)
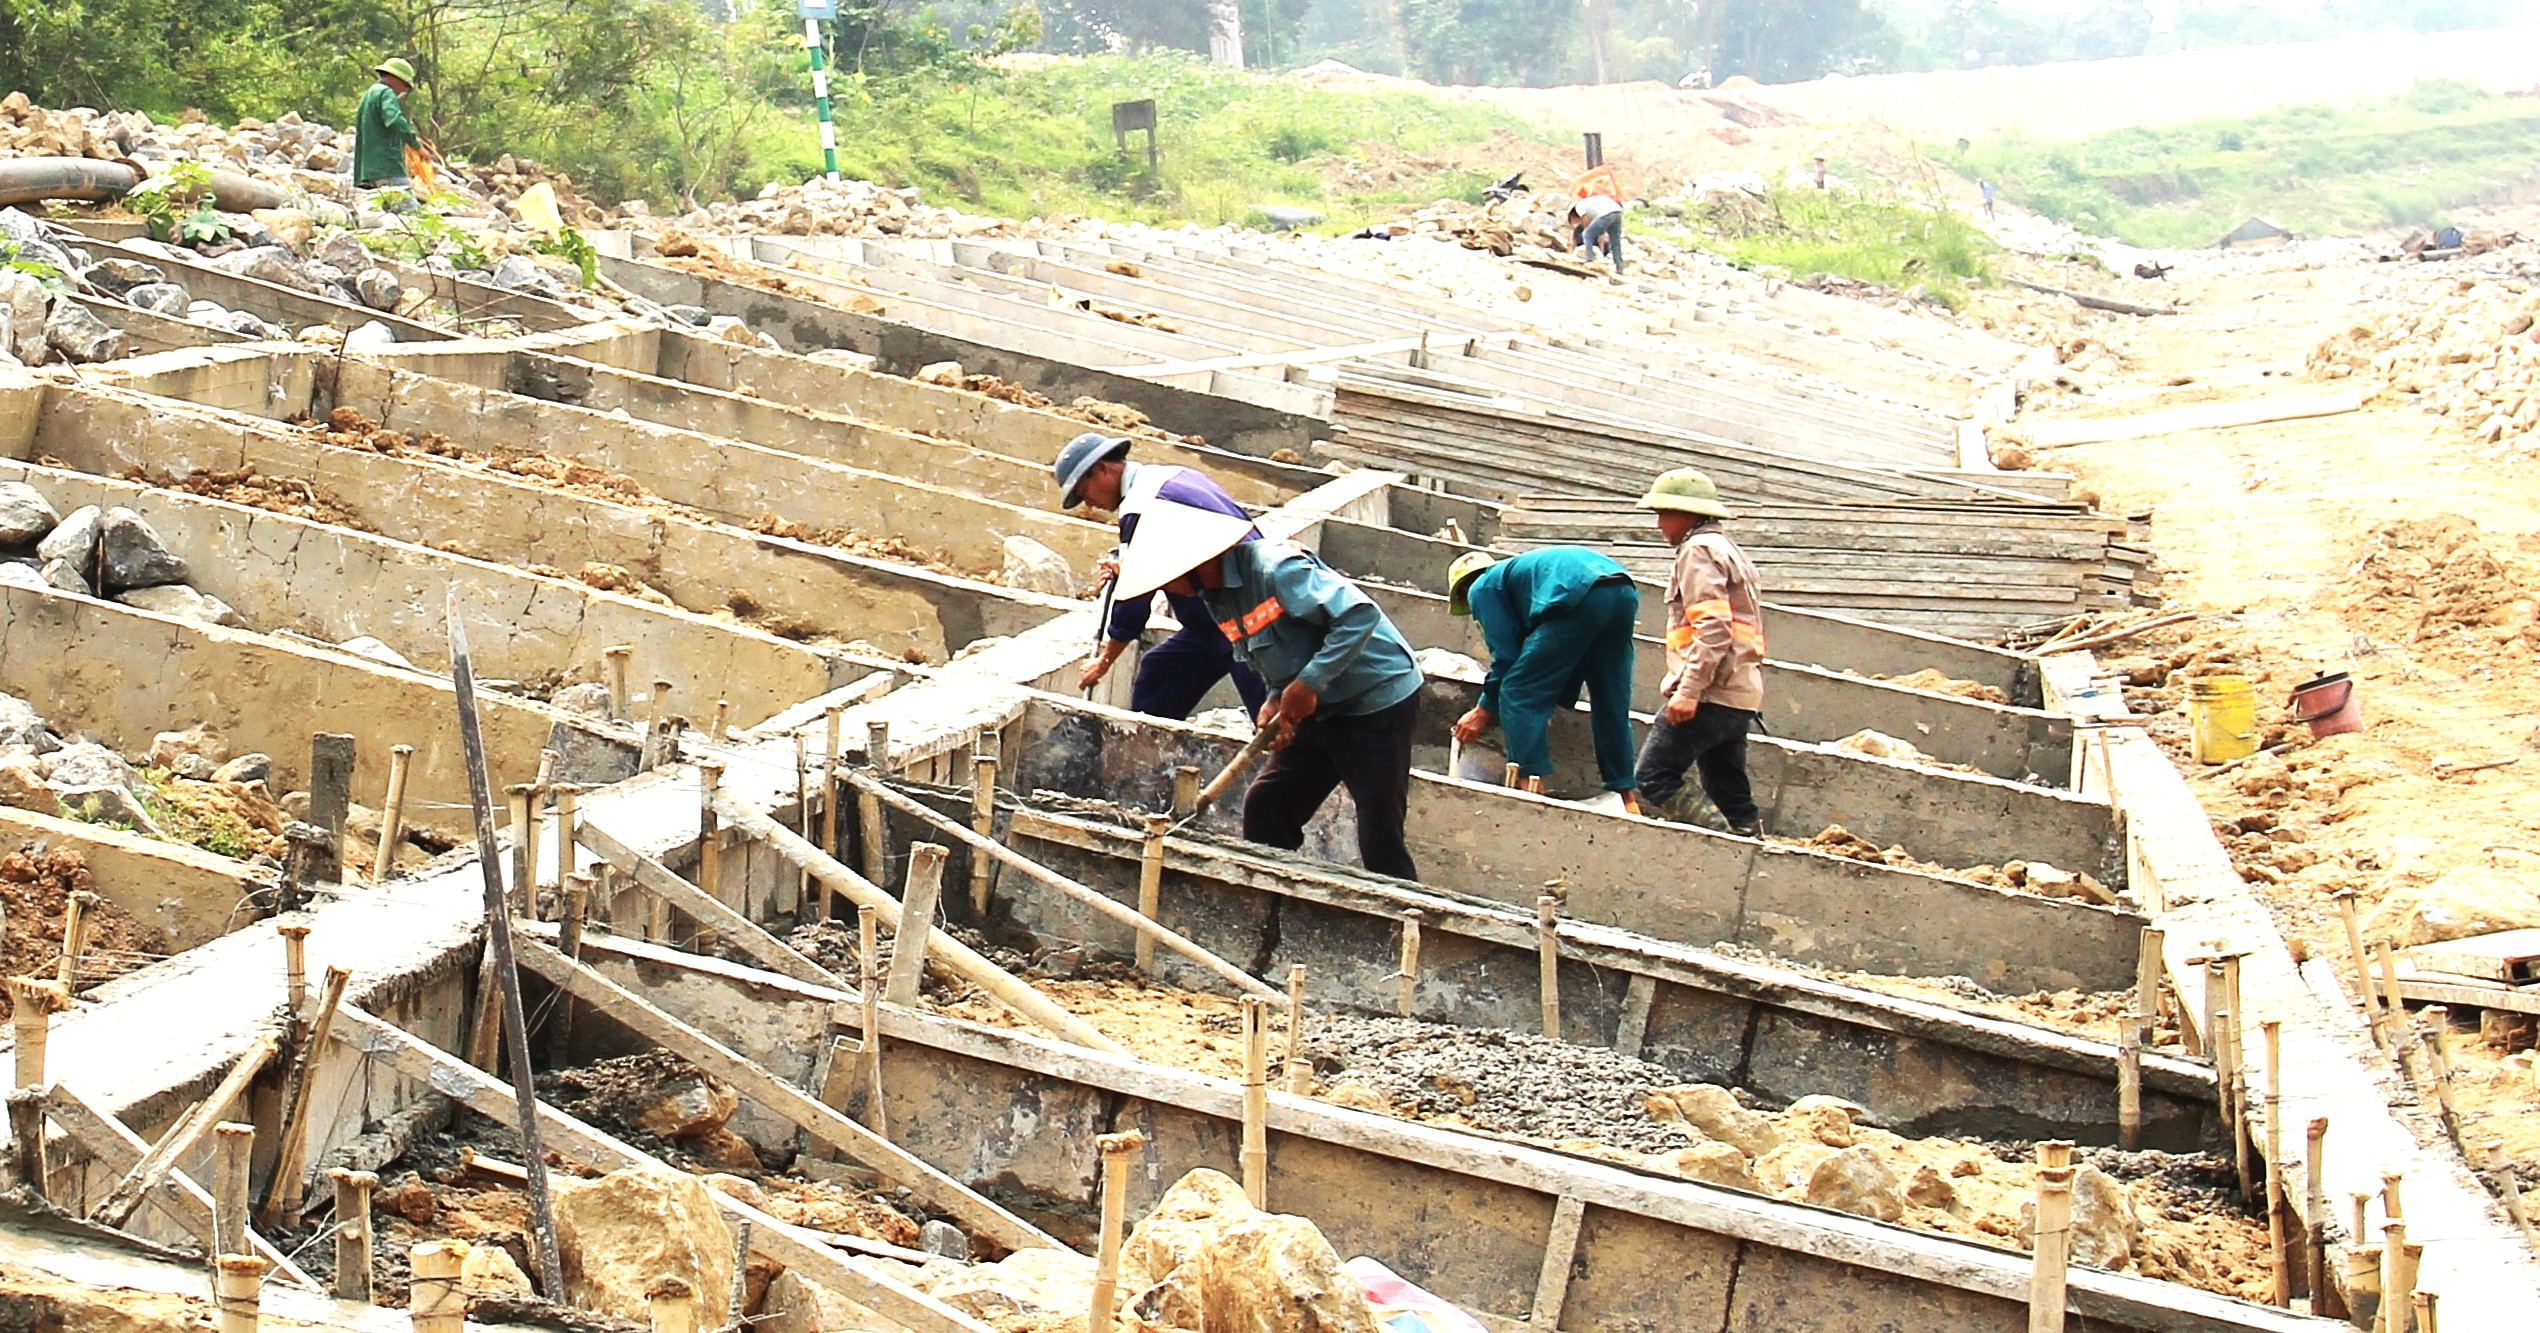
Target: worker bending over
point(1597, 221)
point(381, 130)
point(1555, 619)
point(1347, 690)
point(1094, 469)
point(1714, 688)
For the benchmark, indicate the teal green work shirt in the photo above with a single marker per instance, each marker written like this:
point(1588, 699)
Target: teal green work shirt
point(1512, 597)
point(381, 134)
point(1291, 618)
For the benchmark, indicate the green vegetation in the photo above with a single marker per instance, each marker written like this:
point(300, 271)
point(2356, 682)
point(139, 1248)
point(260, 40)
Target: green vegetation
point(177, 205)
point(1869, 236)
point(2323, 170)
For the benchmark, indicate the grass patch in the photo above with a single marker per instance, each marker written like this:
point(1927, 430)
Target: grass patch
point(2320, 170)
point(1038, 141)
point(1869, 236)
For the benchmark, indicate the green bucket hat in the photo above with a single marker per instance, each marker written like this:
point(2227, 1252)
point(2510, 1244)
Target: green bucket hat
point(399, 66)
point(1688, 491)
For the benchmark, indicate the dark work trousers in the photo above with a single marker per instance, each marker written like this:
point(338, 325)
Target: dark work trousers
point(1175, 675)
point(1713, 742)
point(1371, 755)
point(1608, 230)
point(1587, 643)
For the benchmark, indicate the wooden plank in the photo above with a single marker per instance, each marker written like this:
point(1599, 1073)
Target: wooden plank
point(112, 1145)
point(754, 1082)
point(181, 1138)
point(781, 1241)
point(2468, 993)
point(728, 924)
point(2065, 432)
point(1560, 1251)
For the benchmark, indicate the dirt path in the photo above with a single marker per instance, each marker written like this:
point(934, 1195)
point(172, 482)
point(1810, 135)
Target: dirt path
point(2386, 543)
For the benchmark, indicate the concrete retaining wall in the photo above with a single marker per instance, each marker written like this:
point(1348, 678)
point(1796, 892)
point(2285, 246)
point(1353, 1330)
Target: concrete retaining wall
point(184, 895)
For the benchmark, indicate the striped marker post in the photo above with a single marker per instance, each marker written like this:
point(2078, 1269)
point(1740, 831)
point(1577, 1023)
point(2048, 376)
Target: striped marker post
point(813, 11)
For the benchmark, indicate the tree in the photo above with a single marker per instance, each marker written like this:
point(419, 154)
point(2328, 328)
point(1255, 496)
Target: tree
point(1488, 41)
point(1784, 41)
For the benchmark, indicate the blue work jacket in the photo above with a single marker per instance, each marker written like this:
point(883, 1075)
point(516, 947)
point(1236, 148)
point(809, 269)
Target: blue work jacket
point(1291, 618)
point(1512, 597)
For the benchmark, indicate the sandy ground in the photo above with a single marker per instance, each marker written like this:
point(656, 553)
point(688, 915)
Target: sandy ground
point(2382, 542)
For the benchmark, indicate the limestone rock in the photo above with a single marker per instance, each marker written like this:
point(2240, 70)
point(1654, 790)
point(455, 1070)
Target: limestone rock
point(1710, 1162)
point(942, 1237)
point(590, 699)
point(796, 1304)
point(115, 277)
point(63, 576)
point(21, 786)
point(1827, 1120)
point(175, 599)
point(20, 724)
point(18, 574)
point(689, 1106)
point(379, 289)
point(2466, 900)
point(1713, 1110)
point(1856, 1181)
point(739, 1187)
point(1033, 567)
point(723, 1149)
point(74, 542)
point(377, 651)
point(1276, 1273)
point(160, 298)
point(87, 764)
point(517, 273)
point(131, 555)
point(618, 1234)
point(25, 515)
point(288, 226)
point(945, 373)
point(1028, 1284)
point(1357, 1097)
point(1786, 1169)
point(1927, 1188)
point(1175, 1231)
point(2105, 1228)
point(197, 740)
point(491, 1269)
point(23, 301)
point(346, 252)
point(264, 263)
point(373, 336)
point(737, 331)
point(107, 805)
point(83, 339)
point(245, 768)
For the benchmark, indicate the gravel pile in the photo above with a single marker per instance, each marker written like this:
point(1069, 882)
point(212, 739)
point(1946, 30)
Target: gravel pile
point(1511, 1083)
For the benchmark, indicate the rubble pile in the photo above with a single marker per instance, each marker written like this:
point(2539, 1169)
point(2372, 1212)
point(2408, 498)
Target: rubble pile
point(2460, 346)
point(2034, 877)
point(849, 208)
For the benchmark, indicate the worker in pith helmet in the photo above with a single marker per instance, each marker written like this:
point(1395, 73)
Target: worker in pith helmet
point(1347, 687)
point(381, 130)
point(1714, 688)
point(1556, 619)
point(1094, 469)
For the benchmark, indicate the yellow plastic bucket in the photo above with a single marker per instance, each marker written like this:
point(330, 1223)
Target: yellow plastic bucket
point(2222, 718)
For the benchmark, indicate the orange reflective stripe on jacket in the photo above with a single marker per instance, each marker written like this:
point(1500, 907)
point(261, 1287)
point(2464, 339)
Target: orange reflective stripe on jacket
point(1680, 637)
point(1253, 621)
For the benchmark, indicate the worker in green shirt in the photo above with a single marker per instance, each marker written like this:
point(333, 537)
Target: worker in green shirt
point(381, 131)
point(1555, 619)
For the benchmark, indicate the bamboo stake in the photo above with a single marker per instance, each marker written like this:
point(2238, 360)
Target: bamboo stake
point(352, 1233)
point(983, 821)
point(74, 936)
point(2051, 1248)
point(1409, 974)
point(26, 1136)
point(433, 1301)
point(828, 808)
point(233, 1152)
point(1534, 785)
point(1299, 1073)
point(2390, 1196)
point(2424, 1311)
point(1548, 961)
point(869, 993)
point(33, 1005)
point(673, 1302)
point(657, 747)
point(392, 813)
point(2147, 981)
point(2512, 1189)
point(917, 922)
point(2315, 1210)
point(282, 1197)
point(709, 832)
point(1185, 791)
point(1508, 776)
point(2396, 1007)
point(2437, 1034)
point(240, 1286)
point(2279, 1243)
point(2398, 1277)
point(1116, 1150)
point(568, 835)
point(877, 755)
point(722, 718)
point(2345, 900)
point(295, 967)
point(1151, 888)
point(569, 925)
point(2129, 1085)
point(1256, 1149)
point(524, 893)
point(802, 807)
point(614, 660)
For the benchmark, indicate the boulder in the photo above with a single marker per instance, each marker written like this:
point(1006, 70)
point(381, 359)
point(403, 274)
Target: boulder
point(1276, 1273)
point(264, 263)
point(1711, 1109)
point(1710, 1162)
point(2466, 900)
point(518, 273)
point(346, 252)
point(796, 1304)
point(197, 741)
point(379, 289)
point(373, 336)
point(288, 227)
point(616, 1235)
point(245, 768)
point(83, 339)
point(22, 786)
point(87, 764)
point(107, 805)
point(116, 277)
point(689, 1106)
point(160, 298)
point(2105, 1228)
point(1174, 1232)
point(175, 599)
point(1027, 1285)
point(63, 576)
point(22, 303)
point(1856, 1181)
point(74, 542)
point(1033, 567)
point(376, 651)
point(491, 1269)
point(20, 725)
point(1826, 1120)
point(1928, 1188)
point(25, 515)
point(590, 699)
point(945, 373)
point(131, 555)
point(18, 574)
point(193, 767)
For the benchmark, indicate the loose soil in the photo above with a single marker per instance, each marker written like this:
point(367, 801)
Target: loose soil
point(35, 889)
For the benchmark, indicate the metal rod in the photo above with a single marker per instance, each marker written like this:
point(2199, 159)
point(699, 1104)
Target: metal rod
point(498, 931)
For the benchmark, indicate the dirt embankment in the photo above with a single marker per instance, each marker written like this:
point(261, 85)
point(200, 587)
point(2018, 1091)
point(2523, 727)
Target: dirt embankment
point(35, 893)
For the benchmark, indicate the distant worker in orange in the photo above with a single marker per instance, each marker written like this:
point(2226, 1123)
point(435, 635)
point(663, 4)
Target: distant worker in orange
point(1596, 220)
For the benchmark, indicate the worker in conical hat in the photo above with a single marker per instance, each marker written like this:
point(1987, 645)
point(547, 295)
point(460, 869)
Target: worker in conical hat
point(1346, 689)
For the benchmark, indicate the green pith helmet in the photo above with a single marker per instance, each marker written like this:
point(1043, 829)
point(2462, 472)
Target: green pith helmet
point(1687, 491)
point(1462, 573)
point(399, 67)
